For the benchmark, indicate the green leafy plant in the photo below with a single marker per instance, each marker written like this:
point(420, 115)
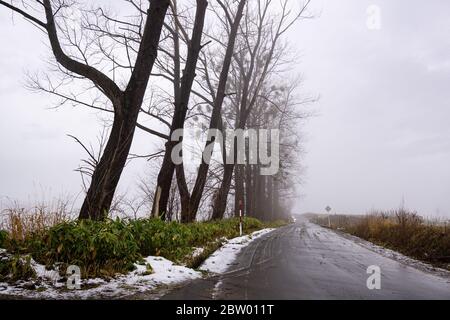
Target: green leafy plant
point(114, 246)
point(16, 267)
point(99, 248)
point(3, 238)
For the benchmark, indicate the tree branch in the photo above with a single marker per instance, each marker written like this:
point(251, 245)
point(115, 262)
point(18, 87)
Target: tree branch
point(24, 14)
point(153, 132)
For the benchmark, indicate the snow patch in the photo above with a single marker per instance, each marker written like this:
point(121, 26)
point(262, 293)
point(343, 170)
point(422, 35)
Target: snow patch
point(197, 252)
point(43, 273)
point(222, 258)
point(216, 289)
point(49, 285)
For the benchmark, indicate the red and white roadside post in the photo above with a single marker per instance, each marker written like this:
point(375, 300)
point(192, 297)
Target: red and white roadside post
point(240, 218)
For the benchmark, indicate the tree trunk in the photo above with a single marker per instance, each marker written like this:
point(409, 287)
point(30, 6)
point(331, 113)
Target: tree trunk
point(184, 195)
point(269, 198)
point(259, 195)
point(107, 172)
point(276, 198)
point(197, 192)
point(220, 202)
point(164, 182)
point(239, 196)
point(248, 191)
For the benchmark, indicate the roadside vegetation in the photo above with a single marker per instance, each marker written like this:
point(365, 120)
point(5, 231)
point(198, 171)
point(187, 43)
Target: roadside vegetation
point(105, 248)
point(401, 230)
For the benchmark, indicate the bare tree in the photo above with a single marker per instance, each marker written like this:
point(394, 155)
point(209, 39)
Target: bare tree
point(190, 202)
point(126, 102)
point(182, 92)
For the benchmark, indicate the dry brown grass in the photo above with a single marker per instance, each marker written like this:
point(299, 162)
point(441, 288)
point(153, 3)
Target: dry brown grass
point(401, 230)
point(21, 222)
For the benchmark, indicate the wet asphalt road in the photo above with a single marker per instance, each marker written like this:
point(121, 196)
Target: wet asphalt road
point(305, 261)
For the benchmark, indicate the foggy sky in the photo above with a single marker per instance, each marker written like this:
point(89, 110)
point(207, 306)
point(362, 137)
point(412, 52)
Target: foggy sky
point(381, 131)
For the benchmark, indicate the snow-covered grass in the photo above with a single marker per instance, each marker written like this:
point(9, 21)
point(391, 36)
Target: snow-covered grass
point(50, 285)
point(221, 259)
point(197, 252)
point(151, 274)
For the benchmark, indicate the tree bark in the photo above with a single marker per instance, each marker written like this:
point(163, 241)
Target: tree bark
point(164, 183)
point(220, 202)
point(107, 173)
point(255, 187)
point(260, 210)
point(276, 199)
point(184, 195)
point(269, 198)
point(182, 98)
point(248, 191)
point(239, 196)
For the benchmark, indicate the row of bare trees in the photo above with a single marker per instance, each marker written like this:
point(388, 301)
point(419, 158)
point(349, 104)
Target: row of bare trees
point(171, 65)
